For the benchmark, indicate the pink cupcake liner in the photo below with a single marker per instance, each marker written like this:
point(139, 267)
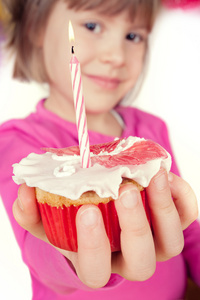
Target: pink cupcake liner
point(60, 224)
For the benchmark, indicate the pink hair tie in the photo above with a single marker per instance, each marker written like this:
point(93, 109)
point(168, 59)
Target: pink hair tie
point(185, 4)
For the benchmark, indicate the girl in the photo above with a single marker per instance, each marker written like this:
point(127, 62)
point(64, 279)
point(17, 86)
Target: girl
point(111, 45)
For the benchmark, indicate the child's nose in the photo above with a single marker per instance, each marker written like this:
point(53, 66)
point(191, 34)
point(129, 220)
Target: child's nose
point(113, 52)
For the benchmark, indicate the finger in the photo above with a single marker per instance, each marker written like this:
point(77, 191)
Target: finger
point(137, 260)
point(166, 223)
point(184, 200)
point(26, 212)
point(94, 253)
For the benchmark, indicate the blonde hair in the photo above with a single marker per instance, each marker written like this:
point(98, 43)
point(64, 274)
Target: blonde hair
point(28, 17)
point(3, 15)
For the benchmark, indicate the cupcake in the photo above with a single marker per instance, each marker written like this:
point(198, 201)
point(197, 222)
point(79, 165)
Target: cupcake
point(62, 186)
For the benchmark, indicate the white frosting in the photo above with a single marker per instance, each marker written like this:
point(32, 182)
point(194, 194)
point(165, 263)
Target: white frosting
point(63, 175)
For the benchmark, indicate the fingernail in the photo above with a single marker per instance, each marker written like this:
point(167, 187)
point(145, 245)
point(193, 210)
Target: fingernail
point(20, 204)
point(160, 181)
point(170, 177)
point(89, 217)
point(129, 198)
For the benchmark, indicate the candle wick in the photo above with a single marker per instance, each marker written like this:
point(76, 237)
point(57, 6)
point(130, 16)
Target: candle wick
point(72, 49)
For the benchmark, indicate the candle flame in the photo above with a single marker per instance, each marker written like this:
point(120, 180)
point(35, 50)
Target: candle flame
point(71, 32)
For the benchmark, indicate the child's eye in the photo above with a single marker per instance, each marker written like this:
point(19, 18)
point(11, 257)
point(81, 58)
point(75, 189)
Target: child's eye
point(136, 38)
point(92, 26)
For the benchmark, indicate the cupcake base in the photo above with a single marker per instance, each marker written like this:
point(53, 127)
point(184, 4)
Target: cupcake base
point(60, 223)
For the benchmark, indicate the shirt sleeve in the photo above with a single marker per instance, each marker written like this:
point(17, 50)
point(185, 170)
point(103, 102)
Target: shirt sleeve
point(191, 251)
point(47, 265)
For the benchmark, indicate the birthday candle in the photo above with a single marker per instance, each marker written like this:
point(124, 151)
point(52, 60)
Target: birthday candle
point(79, 104)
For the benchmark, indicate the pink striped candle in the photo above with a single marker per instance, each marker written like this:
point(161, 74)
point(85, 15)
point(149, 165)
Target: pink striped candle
point(79, 104)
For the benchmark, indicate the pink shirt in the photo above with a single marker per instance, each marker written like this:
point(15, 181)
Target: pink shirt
point(52, 277)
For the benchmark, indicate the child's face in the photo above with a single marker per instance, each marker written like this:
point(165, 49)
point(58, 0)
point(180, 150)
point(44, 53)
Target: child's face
point(110, 49)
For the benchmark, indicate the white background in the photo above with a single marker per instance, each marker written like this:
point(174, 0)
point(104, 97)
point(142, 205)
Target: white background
point(171, 90)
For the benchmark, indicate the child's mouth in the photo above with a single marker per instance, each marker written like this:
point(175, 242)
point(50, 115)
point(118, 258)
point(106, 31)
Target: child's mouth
point(105, 82)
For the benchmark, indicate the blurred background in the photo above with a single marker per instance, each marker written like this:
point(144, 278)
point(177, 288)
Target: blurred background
point(171, 90)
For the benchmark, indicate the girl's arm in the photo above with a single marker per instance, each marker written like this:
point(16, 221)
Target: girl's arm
point(191, 251)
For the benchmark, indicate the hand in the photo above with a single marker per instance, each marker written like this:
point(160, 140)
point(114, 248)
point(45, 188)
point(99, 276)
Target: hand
point(140, 249)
